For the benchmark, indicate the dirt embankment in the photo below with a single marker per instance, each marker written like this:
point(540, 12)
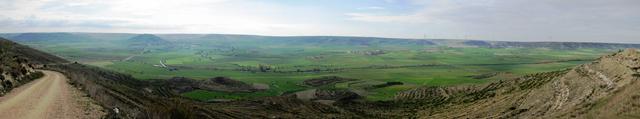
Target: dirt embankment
point(48, 97)
point(605, 88)
point(325, 80)
point(223, 84)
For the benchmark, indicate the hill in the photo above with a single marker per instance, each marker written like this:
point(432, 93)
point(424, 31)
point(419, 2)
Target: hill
point(149, 39)
point(560, 45)
point(19, 63)
point(48, 37)
point(30, 54)
point(222, 39)
point(605, 88)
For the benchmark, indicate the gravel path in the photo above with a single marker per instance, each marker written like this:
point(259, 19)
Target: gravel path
point(49, 97)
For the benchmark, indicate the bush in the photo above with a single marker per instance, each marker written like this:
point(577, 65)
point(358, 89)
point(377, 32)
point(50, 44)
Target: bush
point(34, 75)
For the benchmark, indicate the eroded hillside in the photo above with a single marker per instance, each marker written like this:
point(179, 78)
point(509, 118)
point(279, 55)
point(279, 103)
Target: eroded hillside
point(606, 88)
point(17, 63)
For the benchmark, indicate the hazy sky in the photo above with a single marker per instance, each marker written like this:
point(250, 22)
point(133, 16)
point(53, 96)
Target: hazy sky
point(513, 20)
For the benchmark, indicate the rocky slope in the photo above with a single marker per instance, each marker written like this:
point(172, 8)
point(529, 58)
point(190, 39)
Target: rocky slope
point(606, 88)
point(17, 63)
point(34, 56)
point(14, 71)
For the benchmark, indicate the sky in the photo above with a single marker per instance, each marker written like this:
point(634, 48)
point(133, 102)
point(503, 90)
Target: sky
point(504, 20)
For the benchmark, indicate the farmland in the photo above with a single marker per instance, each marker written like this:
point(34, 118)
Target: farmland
point(283, 65)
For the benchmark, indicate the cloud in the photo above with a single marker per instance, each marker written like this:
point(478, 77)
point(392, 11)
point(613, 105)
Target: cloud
point(144, 15)
point(390, 1)
point(539, 20)
point(367, 17)
point(523, 20)
point(372, 8)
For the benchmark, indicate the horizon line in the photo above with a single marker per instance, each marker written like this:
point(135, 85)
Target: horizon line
point(137, 33)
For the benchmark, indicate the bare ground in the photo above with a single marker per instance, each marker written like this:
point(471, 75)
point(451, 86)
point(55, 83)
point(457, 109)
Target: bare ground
point(49, 97)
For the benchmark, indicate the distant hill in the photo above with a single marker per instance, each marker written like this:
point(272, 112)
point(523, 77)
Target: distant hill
point(224, 39)
point(8, 35)
point(318, 40)
point(52, 37)
point(477, 43)
point(561, 45)
point(147, 39)
point(365, 41)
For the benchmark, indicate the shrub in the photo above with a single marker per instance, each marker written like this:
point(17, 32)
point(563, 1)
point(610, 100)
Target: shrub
point(34, 75)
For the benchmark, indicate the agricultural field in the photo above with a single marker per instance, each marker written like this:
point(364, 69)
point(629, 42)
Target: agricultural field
point(285, 65)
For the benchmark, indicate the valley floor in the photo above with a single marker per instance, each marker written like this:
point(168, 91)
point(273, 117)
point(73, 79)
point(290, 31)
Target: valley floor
point(49, 97)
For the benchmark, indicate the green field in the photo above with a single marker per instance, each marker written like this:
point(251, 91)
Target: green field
point(283, 66)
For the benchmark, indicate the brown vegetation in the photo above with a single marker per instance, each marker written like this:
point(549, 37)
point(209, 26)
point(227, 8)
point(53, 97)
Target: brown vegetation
point(224, 84)
point(325, 80)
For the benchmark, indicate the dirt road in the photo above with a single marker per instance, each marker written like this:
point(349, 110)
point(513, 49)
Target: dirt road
point(49, 97)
